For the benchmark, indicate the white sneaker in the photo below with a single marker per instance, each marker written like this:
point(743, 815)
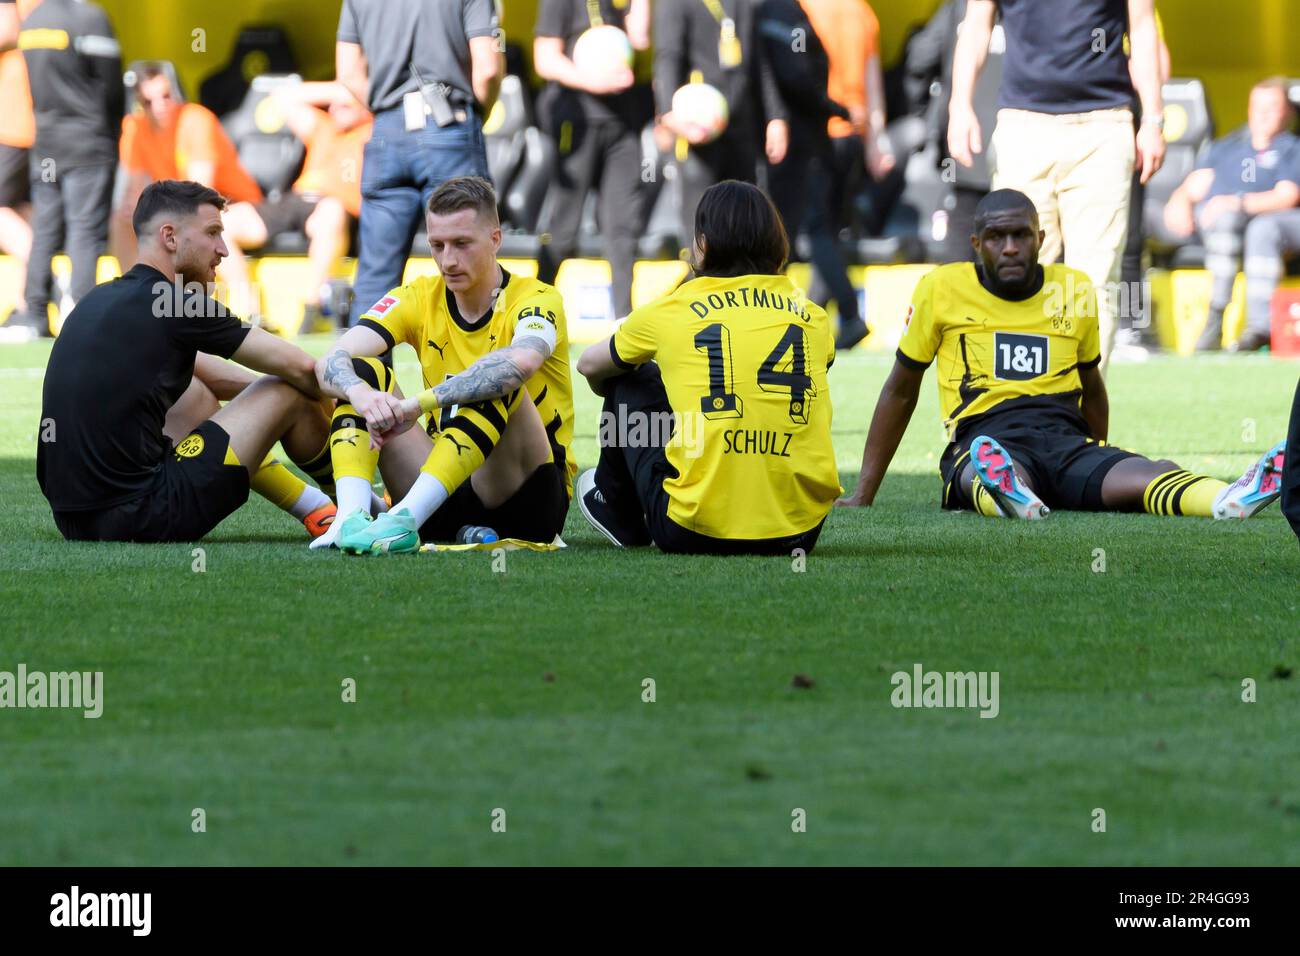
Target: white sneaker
point(1128, 347)
point(1254, 491)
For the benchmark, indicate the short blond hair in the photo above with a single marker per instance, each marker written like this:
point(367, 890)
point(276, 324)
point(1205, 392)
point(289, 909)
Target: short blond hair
point(465, 192)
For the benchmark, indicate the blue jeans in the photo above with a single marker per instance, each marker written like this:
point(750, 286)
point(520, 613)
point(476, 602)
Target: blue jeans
point(399, 172)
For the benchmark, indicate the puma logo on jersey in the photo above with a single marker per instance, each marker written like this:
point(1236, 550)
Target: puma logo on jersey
point(439, 348)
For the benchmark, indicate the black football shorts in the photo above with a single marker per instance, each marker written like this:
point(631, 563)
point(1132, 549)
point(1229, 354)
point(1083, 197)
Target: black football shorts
point(535, 512)
point(194, 490)
point(1062, 464)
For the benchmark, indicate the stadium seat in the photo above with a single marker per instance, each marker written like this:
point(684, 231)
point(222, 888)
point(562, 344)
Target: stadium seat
point(267, 147)
point(503, 134)
point(919, 215)
point(922, 215)
point(259, 50)
point(1189, 128)
point(527, 192)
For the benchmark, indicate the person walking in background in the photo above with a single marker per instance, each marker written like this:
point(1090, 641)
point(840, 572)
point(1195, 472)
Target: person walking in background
point(596, 121)
point(1244, 194)
point(16, 135)
point(850, 34)
point(714, 42)
point(74, 69)
point(801, 185)
point(429, 71)
point(1064, 133)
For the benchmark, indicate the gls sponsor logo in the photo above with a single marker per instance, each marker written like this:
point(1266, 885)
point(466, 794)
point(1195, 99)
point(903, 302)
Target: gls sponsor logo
point(102, 909)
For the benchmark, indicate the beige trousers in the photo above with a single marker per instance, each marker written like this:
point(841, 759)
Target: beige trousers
point(1078, 170)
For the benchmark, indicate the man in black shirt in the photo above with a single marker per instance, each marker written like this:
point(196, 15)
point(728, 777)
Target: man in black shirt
point(596, 123)
point(715, 42)
point(74, 67)
point(124, 358)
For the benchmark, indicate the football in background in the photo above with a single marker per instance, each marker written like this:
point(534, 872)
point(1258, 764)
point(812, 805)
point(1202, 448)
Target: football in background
point(602, 50)
point(702, 107)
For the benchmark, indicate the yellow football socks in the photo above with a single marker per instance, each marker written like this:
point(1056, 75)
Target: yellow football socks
point(467, 439)
point(277, 484)
point(1182, 493)
point(985, 503)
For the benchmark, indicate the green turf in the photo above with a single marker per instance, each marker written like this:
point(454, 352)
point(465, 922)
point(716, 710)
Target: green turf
point(522, 690)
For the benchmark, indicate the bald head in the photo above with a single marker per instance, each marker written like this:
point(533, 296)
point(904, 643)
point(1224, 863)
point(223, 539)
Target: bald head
point(1001, 202)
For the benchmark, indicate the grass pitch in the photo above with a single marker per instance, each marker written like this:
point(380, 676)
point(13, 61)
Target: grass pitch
point(522, 691)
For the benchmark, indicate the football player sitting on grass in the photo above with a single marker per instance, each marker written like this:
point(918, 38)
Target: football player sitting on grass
point(494, 354)
point(1023, 399)
point(139, 446)
point(737, 357)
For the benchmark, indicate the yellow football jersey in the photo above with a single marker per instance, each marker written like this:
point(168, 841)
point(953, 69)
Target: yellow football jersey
point(744, 364)
point(993, 350)
point(424, 315)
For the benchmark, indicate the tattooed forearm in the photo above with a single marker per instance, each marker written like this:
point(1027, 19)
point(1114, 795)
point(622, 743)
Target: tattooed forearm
point(339, 375)
point(494, 375)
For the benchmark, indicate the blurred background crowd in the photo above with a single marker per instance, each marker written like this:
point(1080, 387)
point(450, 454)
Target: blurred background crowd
point(875, 126)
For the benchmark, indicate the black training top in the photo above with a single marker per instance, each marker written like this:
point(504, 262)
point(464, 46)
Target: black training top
point(124, 356)
point(74, 67)
point(568, 20)
point(1065, 56)
point(687, 37)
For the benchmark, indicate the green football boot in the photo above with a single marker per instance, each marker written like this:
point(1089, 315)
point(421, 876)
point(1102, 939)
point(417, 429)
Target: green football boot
point(393, 532)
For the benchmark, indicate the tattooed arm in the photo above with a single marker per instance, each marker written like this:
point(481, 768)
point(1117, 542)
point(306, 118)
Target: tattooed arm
point(334, 372)
point(337, 378)
point(493, 376)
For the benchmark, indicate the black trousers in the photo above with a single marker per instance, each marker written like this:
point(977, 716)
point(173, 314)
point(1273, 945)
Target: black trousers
point(632, 479)
point(734, 155)
point(1130, 272)
point(805, 188)
point(1291, 469)
point(606, 157)
point(70, 210)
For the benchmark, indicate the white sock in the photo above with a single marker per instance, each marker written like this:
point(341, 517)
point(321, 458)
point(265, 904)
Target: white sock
point(352, 494)
point(425, 497)
point(310, 499)
point(331, 534)
point(350, 491)
point(377, 504)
